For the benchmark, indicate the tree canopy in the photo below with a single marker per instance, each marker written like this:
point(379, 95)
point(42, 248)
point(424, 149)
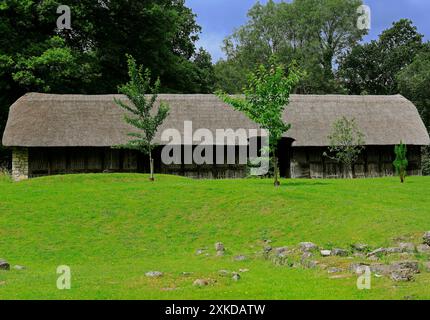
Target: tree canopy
point(312, 32)
point(90, 58)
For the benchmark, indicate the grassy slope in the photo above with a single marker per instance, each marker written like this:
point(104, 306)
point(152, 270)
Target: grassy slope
point(111, 229)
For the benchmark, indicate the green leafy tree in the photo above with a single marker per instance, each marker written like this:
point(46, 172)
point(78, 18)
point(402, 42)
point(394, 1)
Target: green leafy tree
point(413, 82)
point(141, 108)
point(266, 96)
point(346, 144)
point(372, 68)
point(312, 32)
point(89, 59)
point(401, 162)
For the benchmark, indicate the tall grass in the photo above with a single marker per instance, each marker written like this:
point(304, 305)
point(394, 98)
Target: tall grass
point(5, 175)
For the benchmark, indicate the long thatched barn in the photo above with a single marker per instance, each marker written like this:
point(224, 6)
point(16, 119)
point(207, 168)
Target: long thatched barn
point(57, 134)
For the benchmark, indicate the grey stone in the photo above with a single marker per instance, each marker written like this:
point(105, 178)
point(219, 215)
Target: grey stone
point(334, 270)
point(308, 246)
point(360, 247)
point(219, 246)
point(412, 266)
point(310, 264)
point(236, 276)
point(4, 265)
point(224, 273)
point(186, 274)
point(379, 268)
point(267, 249)
point(427, 266)
point(154, 274)
point(339, 252)
point(394, 250)
point(201, 283)
point(281, 250)
point(325, 253)
point(240, 258)
point(358, 268)
point(243, 270)
point(200, 251)
point(377, 252)
point(18, 267)
point(407, 247)
point(307, 255)
point(426, 238)
point(423, 248)
point(402, 275)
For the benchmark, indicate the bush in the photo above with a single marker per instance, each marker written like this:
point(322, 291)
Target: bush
point(5, 175)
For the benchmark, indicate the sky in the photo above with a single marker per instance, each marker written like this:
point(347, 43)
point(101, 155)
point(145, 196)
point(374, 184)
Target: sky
point(219, 18)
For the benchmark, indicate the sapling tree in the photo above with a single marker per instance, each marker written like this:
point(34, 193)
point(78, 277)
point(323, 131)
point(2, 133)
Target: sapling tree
point(401, 162)
point(143, 114)
point(346, 143)
point(265, 97)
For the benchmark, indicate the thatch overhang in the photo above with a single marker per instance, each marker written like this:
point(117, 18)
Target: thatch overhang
point(50, 120)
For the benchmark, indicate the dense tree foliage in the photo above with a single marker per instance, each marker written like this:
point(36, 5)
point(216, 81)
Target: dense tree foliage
point(90, 58)
point(312, 32)
point(372, 68)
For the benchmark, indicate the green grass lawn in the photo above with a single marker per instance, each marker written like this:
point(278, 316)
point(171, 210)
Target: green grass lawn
point(112, 229)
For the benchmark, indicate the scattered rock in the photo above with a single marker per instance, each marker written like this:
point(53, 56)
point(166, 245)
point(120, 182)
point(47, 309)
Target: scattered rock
point(426, 238)
point(219, 246)
point(154, 274)
point(310, 264)
point(339, 252)
point(186, 274)
point(358, 268)
point(377, 252)
point(412, 266)
point(267, 249)
point(407, 247)
point(334, 270)
point(236, 276)
point(325, 253)
point(308, 246)
point(243, 270)
point(224, 273)
point(281, 250)
point(358, 255)
point(200, 251)
point(240, 258)
point(381, 269)
point(4, 265)
point(402, 275)
point(360, 247)
point(306, 256)
point(201, 283)
point(18, 267)
point(394, 250)
point(427, 266)
point(423, 248)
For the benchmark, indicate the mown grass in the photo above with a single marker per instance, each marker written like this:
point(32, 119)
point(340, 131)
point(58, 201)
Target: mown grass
point(111, 229)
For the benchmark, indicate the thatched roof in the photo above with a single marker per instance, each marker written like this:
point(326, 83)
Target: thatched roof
point(47, 120)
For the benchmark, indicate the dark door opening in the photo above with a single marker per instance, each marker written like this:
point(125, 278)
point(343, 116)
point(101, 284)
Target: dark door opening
point(284, 156)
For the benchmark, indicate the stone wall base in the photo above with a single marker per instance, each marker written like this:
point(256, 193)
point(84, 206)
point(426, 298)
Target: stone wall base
point(19, 164)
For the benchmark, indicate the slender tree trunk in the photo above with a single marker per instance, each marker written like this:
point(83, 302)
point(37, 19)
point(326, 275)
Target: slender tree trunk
point(276, 171)
point(151, 167)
